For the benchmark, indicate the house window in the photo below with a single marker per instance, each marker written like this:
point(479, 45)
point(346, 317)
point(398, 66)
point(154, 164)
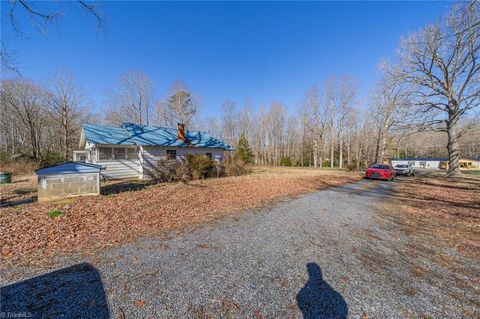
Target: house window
point(209, 155)
point(132, 153)
point(171, 154)
point(119, 153)
point(105, 153)
point(80, 156)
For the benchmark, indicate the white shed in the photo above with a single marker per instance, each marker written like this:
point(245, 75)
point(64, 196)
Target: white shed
point(68, 180)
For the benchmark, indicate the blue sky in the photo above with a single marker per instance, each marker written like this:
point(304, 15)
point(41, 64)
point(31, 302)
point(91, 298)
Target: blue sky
point(257, 51)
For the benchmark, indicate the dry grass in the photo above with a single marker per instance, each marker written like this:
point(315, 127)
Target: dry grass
point(20, 166)
point(91, 223)
point(447, 209)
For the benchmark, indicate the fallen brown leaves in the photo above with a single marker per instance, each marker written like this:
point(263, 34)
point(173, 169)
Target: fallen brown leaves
point(92, 223)
point(444, 208)
point(23, 189)
point(139, 303)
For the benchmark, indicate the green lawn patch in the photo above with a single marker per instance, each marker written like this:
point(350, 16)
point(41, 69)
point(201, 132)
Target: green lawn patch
point(55, 213)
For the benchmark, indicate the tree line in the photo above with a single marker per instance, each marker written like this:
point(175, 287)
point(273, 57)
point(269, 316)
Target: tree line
point(425, 103)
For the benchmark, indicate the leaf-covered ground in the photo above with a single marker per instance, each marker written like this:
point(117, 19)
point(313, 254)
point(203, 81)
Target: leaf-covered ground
point(447, 209)
point(88, 224)
point(22, 190)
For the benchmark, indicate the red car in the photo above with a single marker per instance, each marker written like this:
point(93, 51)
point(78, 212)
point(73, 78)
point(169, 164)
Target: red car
point(381, 171)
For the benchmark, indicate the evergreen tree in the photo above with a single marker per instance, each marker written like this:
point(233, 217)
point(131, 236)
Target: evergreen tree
point(244, 151)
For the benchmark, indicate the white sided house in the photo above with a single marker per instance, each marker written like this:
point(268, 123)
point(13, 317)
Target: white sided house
point(129, 150)
point(433, 163)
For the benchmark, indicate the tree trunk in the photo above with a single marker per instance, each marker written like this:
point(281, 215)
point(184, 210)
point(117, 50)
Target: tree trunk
point(340, 155)
point(377, 147)
point(383, 149)
point(65, 133)
point(349, 155)
point(332, 149)
point(453, 150)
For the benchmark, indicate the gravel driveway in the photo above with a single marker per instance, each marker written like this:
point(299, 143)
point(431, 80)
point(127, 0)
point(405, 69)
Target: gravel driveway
point(330, 254)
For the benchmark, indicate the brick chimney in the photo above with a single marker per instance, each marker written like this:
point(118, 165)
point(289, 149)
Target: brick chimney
point(181, 132)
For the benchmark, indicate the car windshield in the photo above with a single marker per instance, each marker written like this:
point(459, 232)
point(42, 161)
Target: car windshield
point(402, 166)
point(380, 166)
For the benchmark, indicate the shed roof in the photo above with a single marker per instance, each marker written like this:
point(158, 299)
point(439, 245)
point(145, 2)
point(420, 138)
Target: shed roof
point(69, 168)
point(133, 134)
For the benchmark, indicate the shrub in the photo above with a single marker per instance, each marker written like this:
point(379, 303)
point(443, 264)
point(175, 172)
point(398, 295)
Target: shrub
point(352, 166)
point(51, 158)
point(218, 170)
point(164, 171)
point(183, 172)
point(235, 166)
point(3, 156)
point(193, 167)
point(200, 165)
point(286, 161)
point(244, 152)
point(306, 162)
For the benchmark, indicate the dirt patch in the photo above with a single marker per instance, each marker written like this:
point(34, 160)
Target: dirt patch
point(91, 223)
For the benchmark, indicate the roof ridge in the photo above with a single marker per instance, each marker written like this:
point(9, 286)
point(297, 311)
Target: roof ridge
point(75, 162)
point(128, 133)
point(163, 127)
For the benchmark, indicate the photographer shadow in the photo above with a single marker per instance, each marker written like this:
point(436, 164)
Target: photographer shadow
point(73, 292)
point(318, 300)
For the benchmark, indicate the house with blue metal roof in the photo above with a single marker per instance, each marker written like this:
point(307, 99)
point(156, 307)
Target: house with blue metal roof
point(130, 150)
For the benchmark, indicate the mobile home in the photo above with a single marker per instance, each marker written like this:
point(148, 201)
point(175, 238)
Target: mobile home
point(435, 163)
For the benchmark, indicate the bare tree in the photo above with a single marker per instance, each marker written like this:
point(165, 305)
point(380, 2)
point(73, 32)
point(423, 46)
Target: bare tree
point(292, 139)
point(331, 105)
point(390, 99)
point(229, 122)
point(441, 64)
point(315, 116)
point(275, 131)
point(65, 100)
point(180, 106)
point(347, 95)
point(131, 99)
point(28, 103)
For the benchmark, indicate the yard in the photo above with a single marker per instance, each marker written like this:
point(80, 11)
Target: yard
point(369, 249)
point(445, 210)
point(32, 232)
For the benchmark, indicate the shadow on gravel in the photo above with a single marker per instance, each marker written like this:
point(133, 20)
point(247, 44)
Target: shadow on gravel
point(318, 300)
point(73, 292)
point(383, 189)
point(369, 188)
